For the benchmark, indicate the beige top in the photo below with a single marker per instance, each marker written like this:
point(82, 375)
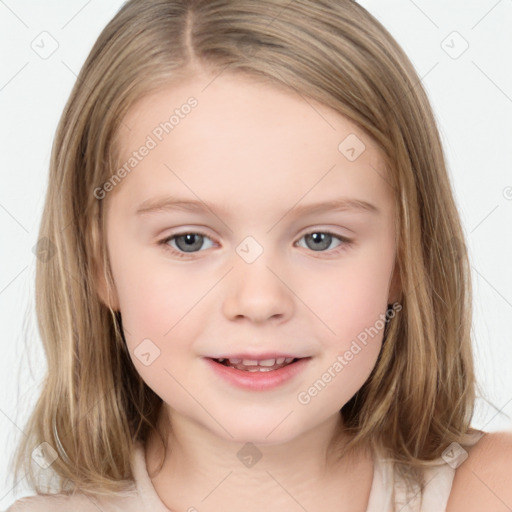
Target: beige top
point(388, 492)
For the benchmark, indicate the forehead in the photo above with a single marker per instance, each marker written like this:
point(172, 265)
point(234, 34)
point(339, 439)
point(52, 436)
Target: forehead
point(236, 135)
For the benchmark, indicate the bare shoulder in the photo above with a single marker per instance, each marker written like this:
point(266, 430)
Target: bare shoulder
point(484, 480)
point(77, 502)
point(52, 503)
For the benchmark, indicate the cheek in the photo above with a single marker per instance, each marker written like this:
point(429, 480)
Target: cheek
point(350, 298)
point(154, 294)
point(161, 319)
point(351, 302)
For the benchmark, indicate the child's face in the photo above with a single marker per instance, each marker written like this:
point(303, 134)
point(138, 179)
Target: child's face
point(255, 283)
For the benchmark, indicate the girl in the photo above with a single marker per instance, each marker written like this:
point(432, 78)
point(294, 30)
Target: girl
point(203, 354)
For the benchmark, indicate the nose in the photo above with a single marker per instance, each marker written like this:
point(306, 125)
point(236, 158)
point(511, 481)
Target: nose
point(258, 292)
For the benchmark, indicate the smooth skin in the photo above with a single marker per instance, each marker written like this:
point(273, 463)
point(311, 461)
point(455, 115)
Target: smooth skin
point(254, 153)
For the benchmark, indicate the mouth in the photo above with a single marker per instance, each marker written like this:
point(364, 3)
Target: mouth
point(258, 373)
point(257, 365)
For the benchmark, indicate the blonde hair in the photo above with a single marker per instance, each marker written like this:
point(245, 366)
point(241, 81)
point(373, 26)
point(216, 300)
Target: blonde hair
point(94, 405)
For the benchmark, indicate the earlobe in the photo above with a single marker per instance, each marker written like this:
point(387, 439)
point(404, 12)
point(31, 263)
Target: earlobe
point(106, 294)
point(102, 289)
point(395, 287)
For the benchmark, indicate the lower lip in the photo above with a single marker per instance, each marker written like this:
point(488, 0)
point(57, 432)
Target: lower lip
point(258, 381)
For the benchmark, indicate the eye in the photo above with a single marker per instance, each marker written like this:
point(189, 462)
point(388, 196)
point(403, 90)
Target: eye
point(186, 242)
point(191, 242)
point(318, 241)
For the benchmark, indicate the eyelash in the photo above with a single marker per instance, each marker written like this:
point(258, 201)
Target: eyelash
point(346, 243)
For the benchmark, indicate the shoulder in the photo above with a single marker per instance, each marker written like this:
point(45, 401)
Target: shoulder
point(76, 503)
point(484, 480)
point(52, 503)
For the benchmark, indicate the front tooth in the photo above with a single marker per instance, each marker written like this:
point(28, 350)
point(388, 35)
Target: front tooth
point(249, 362)
point(268, 362)
point(280, 360)
point(288, 360)
point(235, 361)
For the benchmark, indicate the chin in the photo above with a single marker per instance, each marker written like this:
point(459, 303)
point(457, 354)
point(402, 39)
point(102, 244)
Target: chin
point(272, 430)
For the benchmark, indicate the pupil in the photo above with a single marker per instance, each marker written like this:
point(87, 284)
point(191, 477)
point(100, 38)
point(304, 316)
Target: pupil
point(192, 241)
point(323, 239)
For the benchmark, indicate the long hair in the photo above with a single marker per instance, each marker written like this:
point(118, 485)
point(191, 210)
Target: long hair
point(94, 406)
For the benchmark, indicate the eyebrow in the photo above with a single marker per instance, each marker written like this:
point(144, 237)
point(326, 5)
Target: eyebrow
point(171, 203)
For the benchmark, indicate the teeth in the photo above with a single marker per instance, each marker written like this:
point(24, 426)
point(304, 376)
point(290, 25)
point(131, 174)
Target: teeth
point(268, 362)
point(247, 362)
point(259, 369)
point(263, 362)
point(253, 365)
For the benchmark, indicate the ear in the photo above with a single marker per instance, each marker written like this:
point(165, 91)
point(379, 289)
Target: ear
point(395, 286)
point(106, 292)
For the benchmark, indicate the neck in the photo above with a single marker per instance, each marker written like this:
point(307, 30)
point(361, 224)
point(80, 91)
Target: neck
point(201, 469)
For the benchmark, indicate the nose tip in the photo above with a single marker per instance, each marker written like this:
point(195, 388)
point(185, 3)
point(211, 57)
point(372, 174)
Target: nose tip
point(256, 292)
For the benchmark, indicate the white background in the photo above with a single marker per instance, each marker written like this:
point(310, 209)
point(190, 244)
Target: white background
point(472, 99)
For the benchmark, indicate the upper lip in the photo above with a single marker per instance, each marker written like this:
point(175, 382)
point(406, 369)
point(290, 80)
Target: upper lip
point(258, 357)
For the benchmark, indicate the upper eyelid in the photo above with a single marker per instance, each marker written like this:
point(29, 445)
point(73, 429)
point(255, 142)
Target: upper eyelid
point(341, 238)
point(203, 233)
point(304, 231)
